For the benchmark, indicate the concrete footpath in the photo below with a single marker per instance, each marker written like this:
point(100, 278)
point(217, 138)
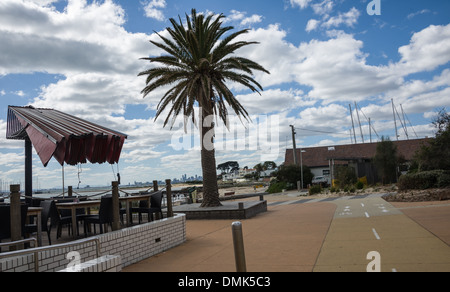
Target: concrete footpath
point(322, 236)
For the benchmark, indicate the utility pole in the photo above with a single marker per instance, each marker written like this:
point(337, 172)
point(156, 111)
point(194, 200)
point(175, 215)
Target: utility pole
point(293, 144)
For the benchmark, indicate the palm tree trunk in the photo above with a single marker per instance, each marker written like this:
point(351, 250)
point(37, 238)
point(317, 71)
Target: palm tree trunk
point(210, 186)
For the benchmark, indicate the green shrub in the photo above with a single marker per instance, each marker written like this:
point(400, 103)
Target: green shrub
point(359, 185)
point(315, 189)
point(424, 180)
point(277, 187)
point(444, 180)
point(345, 175)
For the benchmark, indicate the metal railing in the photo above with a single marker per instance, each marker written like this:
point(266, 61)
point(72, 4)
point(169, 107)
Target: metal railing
point(36, 251)
point(19, 242)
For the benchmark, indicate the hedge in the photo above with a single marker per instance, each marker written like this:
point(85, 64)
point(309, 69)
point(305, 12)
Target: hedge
point(277, 187)
point(424, 180)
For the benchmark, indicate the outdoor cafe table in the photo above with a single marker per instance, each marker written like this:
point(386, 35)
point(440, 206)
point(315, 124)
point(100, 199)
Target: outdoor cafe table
point(73, 206)
point(128, 201)
point(37, 211)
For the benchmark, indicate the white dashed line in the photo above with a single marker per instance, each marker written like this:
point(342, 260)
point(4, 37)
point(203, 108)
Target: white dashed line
point(367, 215)
point(376, 234)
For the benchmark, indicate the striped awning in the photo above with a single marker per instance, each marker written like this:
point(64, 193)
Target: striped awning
point(69, 139)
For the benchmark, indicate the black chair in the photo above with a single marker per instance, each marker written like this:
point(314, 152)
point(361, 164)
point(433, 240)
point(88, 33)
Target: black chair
point(155, 207)
point(5, 220)
point(49, 218)
point(123, 211)
point(66, 216)
point(105, 215)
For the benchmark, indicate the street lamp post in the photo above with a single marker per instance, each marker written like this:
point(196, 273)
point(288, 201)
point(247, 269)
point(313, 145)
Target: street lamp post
point(301, 166)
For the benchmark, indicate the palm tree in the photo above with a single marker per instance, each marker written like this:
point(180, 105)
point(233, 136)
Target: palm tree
point(196, 67)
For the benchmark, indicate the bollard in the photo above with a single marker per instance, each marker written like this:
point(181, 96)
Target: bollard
point(155, 186)
point(239, 251)
point(15, 213)
point(70, 191)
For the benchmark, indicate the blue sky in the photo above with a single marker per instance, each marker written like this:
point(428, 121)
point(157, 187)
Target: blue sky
point(82, 57)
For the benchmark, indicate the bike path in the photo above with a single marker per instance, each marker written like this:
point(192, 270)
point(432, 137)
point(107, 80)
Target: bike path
point(370, 224)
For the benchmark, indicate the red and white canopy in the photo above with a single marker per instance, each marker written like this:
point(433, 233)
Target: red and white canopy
point(67, 138)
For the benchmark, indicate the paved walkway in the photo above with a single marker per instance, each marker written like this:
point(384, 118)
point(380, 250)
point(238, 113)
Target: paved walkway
point(304, 235)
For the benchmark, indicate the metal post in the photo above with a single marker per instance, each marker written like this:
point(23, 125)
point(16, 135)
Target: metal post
point(301, 168)
point(28, 171)
point(239, 251)
point(353, 123)
point(169, 198)
point(63, 187)
point(395, 119)
point(116, 207)
point(359, 122)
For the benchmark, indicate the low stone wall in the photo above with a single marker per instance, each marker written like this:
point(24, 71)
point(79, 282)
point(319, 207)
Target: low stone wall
point(132, 244)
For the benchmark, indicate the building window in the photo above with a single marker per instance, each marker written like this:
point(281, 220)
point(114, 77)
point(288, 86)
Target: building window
point(326, 172)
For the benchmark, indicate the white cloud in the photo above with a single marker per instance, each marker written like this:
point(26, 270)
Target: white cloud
point(241, 17)
point(251, 20)
point(349, 19)
point(8, 144)
point(153, 9)
point(313, 24)
point(19, 93)
point(49, 41)
point(336, 70)
point(12, 159)
point(140, 155)
point(300, 3)
point(414, 14)
point(323, 8)
point(332, 118)
point(427, 50)
point(274, 101)
point(272, 43)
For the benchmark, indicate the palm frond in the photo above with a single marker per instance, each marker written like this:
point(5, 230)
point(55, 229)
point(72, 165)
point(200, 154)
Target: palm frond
point(199, 59)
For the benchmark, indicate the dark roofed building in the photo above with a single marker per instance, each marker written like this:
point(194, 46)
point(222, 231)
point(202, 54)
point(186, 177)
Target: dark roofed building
point(359, 156)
